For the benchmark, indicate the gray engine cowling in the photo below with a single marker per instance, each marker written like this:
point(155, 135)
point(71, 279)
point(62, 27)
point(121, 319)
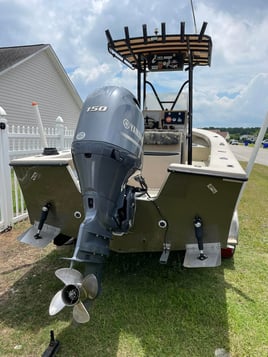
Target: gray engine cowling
point(107, 150)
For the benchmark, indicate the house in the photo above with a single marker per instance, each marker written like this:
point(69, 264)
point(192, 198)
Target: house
point(248, 138)
point(224, 134)
point(34, 74)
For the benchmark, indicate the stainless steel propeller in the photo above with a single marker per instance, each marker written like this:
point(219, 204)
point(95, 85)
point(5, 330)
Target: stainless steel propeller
point(76, 290)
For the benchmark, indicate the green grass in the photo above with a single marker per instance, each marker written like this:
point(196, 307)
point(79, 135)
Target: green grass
point(150, 310)
point(16, 192)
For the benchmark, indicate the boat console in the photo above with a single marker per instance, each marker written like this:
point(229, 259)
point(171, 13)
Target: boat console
point(165, 133)
point(164, 52)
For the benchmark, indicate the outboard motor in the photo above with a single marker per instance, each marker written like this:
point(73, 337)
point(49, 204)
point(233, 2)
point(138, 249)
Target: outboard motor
point(107, 150)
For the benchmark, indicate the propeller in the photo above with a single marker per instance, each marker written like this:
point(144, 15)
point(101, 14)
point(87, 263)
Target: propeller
point(76, 290)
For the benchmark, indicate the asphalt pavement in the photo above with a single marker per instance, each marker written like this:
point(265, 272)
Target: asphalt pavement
point(243, 153)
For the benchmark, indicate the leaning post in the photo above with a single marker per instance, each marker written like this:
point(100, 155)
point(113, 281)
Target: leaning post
point(5, 174)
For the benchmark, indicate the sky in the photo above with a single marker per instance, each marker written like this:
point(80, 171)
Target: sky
point(233, 92)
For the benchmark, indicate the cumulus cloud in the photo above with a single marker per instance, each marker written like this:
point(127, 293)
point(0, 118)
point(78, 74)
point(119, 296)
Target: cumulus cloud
point(232, 91)
point(246, 108)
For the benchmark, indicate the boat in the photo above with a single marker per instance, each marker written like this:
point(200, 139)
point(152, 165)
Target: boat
point(139, 177)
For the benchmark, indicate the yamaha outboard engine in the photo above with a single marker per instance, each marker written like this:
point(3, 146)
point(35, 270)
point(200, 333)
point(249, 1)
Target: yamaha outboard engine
point(107, 150)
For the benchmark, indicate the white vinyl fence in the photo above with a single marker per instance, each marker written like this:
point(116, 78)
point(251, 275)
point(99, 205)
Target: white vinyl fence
point(16, 142)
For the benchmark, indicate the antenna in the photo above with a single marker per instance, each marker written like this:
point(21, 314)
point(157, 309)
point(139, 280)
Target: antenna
point(192, 6)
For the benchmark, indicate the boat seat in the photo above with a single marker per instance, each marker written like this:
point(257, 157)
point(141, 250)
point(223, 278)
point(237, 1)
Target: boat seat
point(161, 137)
point(160, 142)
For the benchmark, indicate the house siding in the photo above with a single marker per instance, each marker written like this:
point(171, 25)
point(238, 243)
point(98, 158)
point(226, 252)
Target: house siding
point(37, 79)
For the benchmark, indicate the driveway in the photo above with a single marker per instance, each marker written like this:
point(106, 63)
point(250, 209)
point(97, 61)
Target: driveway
point(243, 153)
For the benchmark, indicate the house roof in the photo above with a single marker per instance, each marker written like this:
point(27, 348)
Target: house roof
point(11, 57)
point(224, 134)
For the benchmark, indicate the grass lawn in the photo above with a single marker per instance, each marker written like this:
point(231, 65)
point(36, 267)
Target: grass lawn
point(145, 309)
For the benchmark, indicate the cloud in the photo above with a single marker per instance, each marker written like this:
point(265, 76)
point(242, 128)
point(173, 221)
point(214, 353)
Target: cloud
point(232, 90)
point(248, 108)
